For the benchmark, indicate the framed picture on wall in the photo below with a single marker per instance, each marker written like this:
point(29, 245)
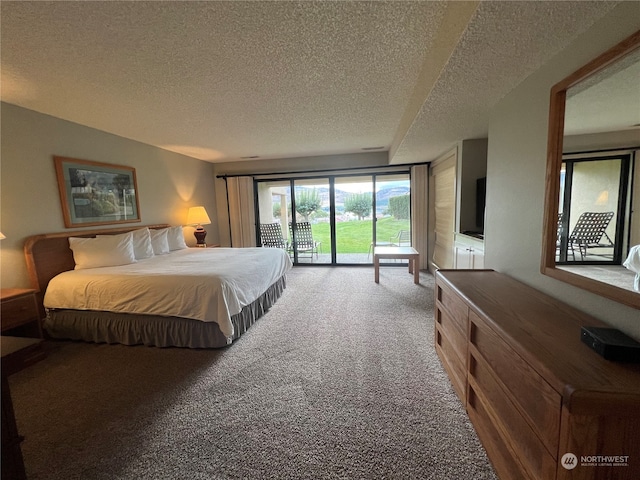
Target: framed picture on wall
point(95, 193)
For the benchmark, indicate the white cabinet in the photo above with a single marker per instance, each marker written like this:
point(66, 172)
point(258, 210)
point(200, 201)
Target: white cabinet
point(468, 252)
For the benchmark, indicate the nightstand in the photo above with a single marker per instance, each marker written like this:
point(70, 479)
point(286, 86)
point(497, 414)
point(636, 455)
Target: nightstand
point(209, 245)
point(19, 315)
point(17, 354)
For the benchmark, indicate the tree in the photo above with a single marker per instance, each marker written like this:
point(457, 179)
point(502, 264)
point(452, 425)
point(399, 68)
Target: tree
point(399, 207)
point(307, 202)
point(358, 203)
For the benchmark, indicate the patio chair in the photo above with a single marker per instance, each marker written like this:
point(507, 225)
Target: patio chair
point(403, 237)
point(271, 236)
point(590, 231)
point(302, 238)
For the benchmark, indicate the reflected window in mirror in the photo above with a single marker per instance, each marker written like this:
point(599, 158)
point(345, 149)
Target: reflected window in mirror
point(594, 213)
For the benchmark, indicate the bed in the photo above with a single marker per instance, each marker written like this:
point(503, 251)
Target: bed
point(188, 297)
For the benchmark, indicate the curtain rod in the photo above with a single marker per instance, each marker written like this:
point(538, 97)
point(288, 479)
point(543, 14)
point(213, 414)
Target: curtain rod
point(320, 172)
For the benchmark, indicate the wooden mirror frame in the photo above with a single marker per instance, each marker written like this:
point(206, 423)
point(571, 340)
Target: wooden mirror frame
point(554, 162)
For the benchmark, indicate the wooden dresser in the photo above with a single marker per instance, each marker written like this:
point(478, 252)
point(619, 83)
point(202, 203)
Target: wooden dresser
point(544, 405)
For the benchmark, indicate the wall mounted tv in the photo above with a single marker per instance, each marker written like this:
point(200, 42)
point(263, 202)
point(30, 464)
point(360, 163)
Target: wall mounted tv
point(481, 200)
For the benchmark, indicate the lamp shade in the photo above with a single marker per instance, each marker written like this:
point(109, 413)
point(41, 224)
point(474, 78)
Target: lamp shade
point(2, 237)
point(198, 216)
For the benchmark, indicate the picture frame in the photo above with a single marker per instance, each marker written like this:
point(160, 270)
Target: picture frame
point(96, 193)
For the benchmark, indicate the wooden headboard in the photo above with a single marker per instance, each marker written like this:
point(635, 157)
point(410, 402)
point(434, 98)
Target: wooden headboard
point(49, 254)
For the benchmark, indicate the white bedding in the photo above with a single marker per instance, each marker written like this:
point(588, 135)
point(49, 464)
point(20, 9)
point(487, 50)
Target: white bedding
point(208, 284)
point(633, 263)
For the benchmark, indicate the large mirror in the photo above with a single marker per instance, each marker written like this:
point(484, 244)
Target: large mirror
point(593, 177)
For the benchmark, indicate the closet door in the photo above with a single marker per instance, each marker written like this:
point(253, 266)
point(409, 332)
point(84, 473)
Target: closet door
point(443, 175)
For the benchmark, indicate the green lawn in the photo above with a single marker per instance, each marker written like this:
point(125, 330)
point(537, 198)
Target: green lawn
point(355, 236)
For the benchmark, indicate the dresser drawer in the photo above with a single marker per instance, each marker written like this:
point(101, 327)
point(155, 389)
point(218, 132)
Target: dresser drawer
point(455, 307)
point(500, 453)
point(456, 369)
point(18, 311)
point(536, 400)
point(451, 330)
point(531, 451)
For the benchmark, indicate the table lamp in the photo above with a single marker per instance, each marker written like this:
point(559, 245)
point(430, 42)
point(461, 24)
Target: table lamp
point(197, 217)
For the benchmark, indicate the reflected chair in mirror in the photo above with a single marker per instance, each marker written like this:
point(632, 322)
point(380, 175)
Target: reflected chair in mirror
point(271, 236)
point(560, 236)
point(302, 240)
point(590, 232)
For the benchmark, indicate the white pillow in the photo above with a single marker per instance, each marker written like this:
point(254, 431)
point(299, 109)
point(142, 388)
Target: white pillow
point(142, 247)
point(175, 236)
point(103, 251)
point(142, 243)
point(159, 241)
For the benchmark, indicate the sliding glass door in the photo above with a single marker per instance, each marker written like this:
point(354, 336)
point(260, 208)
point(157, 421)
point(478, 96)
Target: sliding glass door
point(393, 211)
point(310, 227)
point(273, 201)
point(335, 220)
point(354, 209)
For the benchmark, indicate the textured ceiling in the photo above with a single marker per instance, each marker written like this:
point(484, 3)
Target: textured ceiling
point(222, 81)
point(608, 101)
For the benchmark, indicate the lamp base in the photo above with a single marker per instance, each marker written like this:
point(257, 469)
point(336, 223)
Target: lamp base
point(200, 235)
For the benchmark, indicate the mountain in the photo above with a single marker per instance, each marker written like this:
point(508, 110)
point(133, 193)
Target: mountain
point(382, 197)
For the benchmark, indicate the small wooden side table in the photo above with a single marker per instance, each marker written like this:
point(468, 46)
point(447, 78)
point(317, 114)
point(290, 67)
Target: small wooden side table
point(17, 353)
point(399, 253)
point(19, 313)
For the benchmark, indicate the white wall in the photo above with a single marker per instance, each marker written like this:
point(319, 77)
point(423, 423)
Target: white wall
point(516, 172)
point(168, 183)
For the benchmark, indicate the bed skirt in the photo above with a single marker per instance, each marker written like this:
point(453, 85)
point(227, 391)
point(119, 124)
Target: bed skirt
point(133, 329)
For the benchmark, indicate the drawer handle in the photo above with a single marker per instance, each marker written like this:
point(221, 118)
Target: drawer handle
point(472, 332)
point(472, 365)
point(471, 401)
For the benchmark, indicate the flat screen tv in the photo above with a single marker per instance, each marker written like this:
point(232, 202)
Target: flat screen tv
point(481, 199)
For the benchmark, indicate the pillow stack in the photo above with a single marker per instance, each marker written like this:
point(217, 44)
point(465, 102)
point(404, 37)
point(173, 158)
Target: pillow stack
point(165, 240)
point(125, 248)
point(159, 241)
point(103, 251)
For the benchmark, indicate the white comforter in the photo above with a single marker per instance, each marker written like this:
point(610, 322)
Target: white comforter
point(208, 284)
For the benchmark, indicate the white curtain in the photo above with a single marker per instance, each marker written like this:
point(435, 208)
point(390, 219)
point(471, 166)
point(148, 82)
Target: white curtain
point(419, 212)
point(241, 211)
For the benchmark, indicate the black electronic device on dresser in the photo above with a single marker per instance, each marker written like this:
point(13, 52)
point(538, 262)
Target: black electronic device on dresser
point(611, 344)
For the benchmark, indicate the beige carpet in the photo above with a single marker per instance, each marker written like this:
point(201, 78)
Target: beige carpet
point(338, 381)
